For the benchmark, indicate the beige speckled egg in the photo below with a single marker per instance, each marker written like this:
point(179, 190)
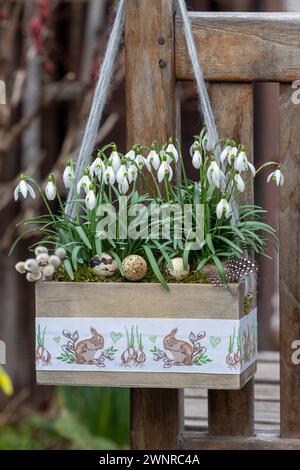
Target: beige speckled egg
point(135, 267)
point(175, 270)
point(104, 266)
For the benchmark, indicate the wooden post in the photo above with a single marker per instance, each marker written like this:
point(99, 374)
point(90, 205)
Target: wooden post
point(151, 115)
point(232, 412)
point(289, 263)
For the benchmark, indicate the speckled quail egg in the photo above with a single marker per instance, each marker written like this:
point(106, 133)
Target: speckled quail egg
point(135, 267)
point(104, 266)
point(176, 270)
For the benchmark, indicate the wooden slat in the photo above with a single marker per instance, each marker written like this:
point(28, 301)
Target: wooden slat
point(190, 440)
point(145, 379)
point(156, 414)
point(233, 108)
point(242, 46)
point(289, 262)
point(267, 399)
point(108, 299)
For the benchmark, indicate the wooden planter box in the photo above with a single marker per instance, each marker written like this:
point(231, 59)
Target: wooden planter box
point(139, 335)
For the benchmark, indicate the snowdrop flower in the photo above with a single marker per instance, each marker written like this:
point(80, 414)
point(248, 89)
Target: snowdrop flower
point(124, 186)
point(165, 156)
point(197, 160)
point(172, 149)
point(132, 173)
point(241, 164)
point(164, 170)
point(97, 167)
point(84, 182)
point(223, 208)
point(277, 176)
point(90, 198)
point(215, 174)
point(225, 155)
point(140, 161)
point(50, 189)
point(153, 158)
point(196, 143)
point(205, 142)
point(240, 184)
point(109, 175)
point(130, 155)
point(232, 155)
point(121, 173)
point(24, 188)
point(115, 159)
point(68, 175)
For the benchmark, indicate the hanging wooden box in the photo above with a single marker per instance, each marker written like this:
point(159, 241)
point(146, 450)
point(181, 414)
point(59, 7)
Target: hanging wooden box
point(192, 336)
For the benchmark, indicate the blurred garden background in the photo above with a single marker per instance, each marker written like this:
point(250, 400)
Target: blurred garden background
point(50, 51)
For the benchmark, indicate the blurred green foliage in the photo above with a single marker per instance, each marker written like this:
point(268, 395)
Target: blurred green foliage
point(82, 418)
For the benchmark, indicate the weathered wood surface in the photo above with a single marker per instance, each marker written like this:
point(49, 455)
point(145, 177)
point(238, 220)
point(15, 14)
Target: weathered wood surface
point(267, 399)
point(289, 262)
point(150, 72)
point(145, 380)
point(261, 441)
point(56, 299)
point(103, 299)
point(242, 46)
point(151, 115)
point(233, 109)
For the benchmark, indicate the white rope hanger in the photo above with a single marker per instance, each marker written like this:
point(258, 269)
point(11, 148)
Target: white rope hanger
point(98, 103)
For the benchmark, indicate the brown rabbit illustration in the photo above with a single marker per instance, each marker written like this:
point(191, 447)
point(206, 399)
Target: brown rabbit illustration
point(86, 349)
point(182, 351)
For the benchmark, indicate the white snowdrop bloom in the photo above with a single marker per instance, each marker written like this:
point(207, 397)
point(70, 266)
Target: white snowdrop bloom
point(50, 189)
point(109, 175)
point(164, 170)
point(153, 159)
point(140, 161)
point(223, 208)
point(90, 199)
point(115, 160)
point(172, 149)
point(24, 188)
point(232, 155)
point(205, 142)
point(197, 159)
point(276, 176)
point(84, 183)
point(196, 143)
point(240, 184)
point(130, 155)
point(121, 174)
point(225, 155)
point(124, 186)
point(132, 173)
point(69, 175)
point(165, 157)
point(214, 174)
point(97, 167)
point(241, 164)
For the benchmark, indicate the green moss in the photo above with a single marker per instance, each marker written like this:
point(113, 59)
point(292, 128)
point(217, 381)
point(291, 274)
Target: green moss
point(85, 274)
